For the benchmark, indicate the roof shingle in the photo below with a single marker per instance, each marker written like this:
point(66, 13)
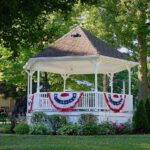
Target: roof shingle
point(79, 42)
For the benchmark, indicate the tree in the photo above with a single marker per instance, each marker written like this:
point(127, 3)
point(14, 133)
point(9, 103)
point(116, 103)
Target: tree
point(140, 122)
point(26, 27)
point(147, 107)
point(126, 21)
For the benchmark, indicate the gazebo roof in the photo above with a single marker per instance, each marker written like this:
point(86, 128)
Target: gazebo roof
point(80, 42)
point(76, 52)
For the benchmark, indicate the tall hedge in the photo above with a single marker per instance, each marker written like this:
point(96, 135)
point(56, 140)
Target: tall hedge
point(147, 107)
point(140, 121)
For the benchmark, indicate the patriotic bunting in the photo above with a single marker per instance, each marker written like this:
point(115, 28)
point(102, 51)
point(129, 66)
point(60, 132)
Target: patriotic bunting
point(30, 104)
point(64, 101)
point(115, 102)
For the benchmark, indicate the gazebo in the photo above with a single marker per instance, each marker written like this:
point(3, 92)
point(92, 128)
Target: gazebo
point(79, 52)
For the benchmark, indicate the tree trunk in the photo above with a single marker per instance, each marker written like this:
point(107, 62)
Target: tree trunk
point(46, 84)
point(142, 70)
point(104, 83)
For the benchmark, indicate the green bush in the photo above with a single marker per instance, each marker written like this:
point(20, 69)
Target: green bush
point(22, 128)
point(106, 128)
point(5, 129)
point(69, 129)
point(56, 121)
point(140, 122)
point(123, 128)
point(38, 117)
point(89, 128)
point(87, 118)
point(147, 107)
point(13, 122)
point(39, 129)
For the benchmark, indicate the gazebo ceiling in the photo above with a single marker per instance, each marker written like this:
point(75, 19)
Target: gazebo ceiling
point(76, 52)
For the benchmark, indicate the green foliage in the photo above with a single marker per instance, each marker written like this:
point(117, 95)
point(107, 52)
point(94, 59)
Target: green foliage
point(56, 121)
point(40, 124)
point(70, 129)
point(88, 124)
point(13, 122)
point(126, 22)
point(22, 128)
point(140, 122)
point(23, 35)
point(5, 128)
point(25, 29)
point(87, 118)
point(123, 128)
point(39, 117)
point(89, 128)
point(147, 107)
point(39, 129)
point(106, 128)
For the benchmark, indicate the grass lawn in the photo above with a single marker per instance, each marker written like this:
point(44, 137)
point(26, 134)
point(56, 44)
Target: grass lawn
point(32, 142)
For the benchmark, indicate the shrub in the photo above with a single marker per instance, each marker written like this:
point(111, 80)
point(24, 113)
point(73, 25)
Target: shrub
point(39, 117)
point(13, 123)
point(106, 128)
point(87, 118)
point(69, 129)
point(22, 128)
point(140, 122)
point(39, 129)
point(147, 107)
point(125, 128)
point(5, 129)
point(56, 121)
point(89, 128)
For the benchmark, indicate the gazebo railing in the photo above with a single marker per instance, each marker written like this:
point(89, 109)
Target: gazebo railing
point(90, 101)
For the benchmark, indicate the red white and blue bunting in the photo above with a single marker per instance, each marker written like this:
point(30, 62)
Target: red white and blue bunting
point(30, 103)
point(64, 101)
point(115, 102)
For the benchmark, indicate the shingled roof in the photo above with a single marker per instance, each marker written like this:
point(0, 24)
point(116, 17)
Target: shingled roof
point(79, 42)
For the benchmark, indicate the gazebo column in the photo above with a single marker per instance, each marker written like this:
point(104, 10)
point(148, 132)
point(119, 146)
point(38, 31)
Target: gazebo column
point(129, 81)
point(28, 85)
point(38, 81)
point(111, 82)
point(96, 65)
point(111, 75)
point(124, 87)
point(64, 76)
point(30, 82)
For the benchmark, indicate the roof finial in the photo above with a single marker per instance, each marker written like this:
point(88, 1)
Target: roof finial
point(80, 18)
point(79, 21)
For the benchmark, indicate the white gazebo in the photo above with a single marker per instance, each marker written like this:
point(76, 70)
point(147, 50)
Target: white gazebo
point(79, 52)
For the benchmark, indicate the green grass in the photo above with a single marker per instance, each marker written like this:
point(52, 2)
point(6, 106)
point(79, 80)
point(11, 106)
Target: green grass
point(31, 142)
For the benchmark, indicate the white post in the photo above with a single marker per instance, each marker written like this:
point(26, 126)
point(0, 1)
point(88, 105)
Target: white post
point(30, 74)
point(96, 71)
point(28, 86)
point(111, 82)
point(64, 84)
point(28, 83)
point(64, 76)
point(38, 81)
point(129, 74)
point(124, 87)
point(96, 65)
